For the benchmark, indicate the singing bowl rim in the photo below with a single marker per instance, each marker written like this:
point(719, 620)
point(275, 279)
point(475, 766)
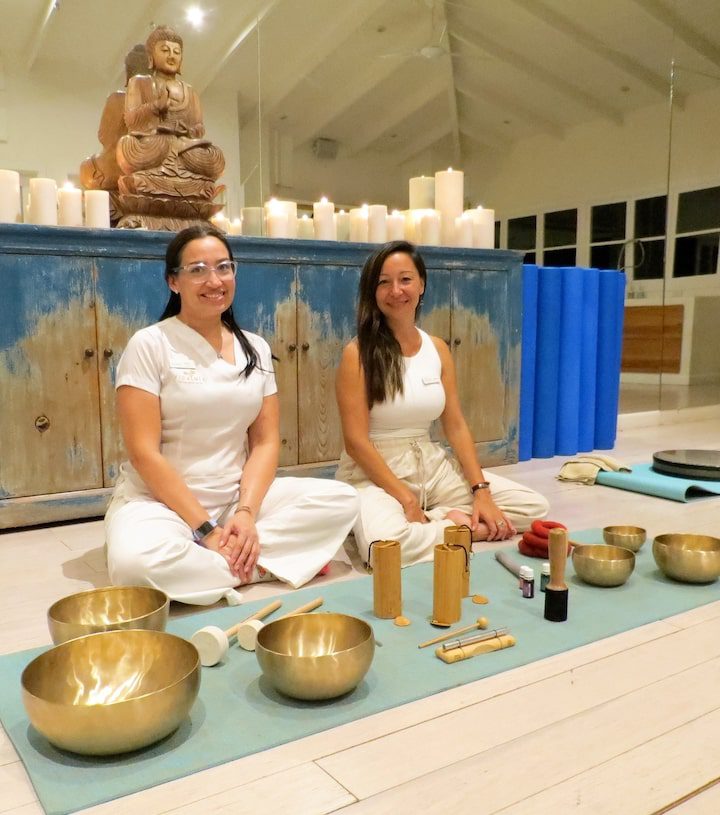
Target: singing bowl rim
point(669, 546)
point(318, 691)
point(624, 531)
point(62, 630)
point(585, 555)
point(71, 720)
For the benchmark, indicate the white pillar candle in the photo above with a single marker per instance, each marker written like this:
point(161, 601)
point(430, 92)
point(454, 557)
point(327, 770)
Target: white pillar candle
point(323, 220)
point(463, 231)
point(412, 224)
point(377, 223)
point(413, 228)
point(429, 231)
point(70, 205)
point(342, 225)
point(277, 224)
point(252, 221)
point(305, 228)
point(290, 209)
point(234, 227)
point(483, 227)
point(449, 202)
point(97, 209)
point(422, 192)
point(395, 226)
point(10, 197)
point(359, 224)
point(42, 207)
point(220, 221)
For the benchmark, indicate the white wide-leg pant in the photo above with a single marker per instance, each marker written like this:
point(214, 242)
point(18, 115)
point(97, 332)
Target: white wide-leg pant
point(301, 524)
point(439, 485)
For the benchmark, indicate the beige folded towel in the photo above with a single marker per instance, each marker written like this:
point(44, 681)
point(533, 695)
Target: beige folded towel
point(584, 469)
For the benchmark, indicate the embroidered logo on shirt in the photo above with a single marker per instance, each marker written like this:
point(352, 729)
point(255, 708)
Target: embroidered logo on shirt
point(431, 380)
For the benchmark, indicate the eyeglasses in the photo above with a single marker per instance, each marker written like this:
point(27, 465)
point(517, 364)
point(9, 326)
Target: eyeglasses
point(200, 272)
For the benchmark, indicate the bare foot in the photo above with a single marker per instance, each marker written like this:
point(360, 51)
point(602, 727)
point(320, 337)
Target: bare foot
point(459, 518)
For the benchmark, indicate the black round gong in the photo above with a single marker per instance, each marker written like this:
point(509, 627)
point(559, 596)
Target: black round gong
point(704, 464)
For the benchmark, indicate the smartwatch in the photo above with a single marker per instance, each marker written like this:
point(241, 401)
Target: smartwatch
point(205, 528)
point(481, 485)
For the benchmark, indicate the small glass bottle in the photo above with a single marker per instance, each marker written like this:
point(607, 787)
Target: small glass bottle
point(527, 581)
point(544, 576)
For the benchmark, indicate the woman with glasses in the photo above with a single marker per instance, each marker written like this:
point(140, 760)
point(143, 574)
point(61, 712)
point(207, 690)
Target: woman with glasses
point(393, 381)
point(197, 510)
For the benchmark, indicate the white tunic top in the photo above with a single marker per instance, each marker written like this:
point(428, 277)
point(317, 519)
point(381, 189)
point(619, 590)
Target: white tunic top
point(422, 400)
point(206, 404)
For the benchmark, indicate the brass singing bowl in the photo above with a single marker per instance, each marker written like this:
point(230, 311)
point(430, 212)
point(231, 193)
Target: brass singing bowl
point(315, 656)
point(688, 558)
point(107, 609)
point(602, 565)
point(111, 692)
point(628, 537)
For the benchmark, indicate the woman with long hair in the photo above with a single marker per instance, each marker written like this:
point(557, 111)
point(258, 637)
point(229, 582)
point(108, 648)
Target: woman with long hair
point(393, 381)
point(197, 510)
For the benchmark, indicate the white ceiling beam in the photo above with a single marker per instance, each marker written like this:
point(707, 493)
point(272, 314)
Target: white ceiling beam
point(682, 30)
point(248, 28)
point(480, 43)
point(346, 19)
point(426, 139)
point(511, 107)
point(395, 114)
point(542, 11)
point(450, 78)
point(38, 35)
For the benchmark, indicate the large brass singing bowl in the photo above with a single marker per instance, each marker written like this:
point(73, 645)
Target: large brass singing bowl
point(603, 565)
point(629, 537)
point(112, 692)
point(107, 609)
point(688, 558)
point(315, 656)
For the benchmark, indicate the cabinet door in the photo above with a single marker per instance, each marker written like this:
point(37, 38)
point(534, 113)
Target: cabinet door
point(485, 339)
point(326, 322)
point(265, 304)
point(49, 424)
point(131, 293)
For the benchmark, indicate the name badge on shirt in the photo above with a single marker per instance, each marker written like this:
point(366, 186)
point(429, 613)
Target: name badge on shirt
point(431, 380)
point(187, 377)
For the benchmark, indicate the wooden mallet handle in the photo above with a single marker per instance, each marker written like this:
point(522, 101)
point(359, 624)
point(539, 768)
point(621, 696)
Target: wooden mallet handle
point(481, 622)
point(311, 606)
point(557, 552)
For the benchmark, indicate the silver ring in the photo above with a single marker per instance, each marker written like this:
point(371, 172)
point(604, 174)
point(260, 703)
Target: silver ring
point(501, 523)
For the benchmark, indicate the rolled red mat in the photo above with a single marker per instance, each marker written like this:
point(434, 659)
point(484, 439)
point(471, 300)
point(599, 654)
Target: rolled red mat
point(542, 528)
point(533, 544)
point(531, 550)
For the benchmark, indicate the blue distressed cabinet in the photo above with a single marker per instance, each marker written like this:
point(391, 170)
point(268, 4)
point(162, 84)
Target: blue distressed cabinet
point(73, 297)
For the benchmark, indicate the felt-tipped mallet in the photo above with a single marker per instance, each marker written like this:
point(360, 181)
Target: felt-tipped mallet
point(212, 642)
point(248, 631)
point(556, 591)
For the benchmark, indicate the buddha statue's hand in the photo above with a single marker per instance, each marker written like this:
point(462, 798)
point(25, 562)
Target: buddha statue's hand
point(162, 101)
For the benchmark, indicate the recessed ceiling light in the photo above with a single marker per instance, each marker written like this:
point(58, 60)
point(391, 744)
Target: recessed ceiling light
point(381, 29)
point(195, 16)
point(625, 88)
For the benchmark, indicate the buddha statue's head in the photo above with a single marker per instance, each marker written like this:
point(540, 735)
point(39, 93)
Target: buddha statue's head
point(136, 62)
point(164, 48)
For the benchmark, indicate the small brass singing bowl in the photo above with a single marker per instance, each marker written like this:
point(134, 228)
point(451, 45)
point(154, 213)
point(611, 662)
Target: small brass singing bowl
point(628, 537)
point(112, 692)
point(107, 609)
point(688, 558)
point(602, 565)
point(315, 656)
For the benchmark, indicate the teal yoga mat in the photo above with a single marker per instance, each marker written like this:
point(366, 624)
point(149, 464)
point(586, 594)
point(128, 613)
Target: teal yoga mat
point(644, 479)
point(237, 713)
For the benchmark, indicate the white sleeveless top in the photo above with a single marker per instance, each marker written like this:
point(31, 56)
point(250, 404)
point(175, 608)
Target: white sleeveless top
point(422, 400)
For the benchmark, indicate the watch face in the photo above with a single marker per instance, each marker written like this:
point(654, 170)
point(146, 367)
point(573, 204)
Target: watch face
point(204, 529)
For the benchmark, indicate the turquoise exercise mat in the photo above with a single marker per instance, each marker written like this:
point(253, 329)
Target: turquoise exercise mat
point(644, 479)
point(237, 713)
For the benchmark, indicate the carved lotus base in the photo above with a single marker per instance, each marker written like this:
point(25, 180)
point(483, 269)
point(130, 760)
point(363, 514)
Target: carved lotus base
point(158, 222)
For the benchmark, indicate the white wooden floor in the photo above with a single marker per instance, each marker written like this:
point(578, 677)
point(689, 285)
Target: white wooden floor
point(626, 726)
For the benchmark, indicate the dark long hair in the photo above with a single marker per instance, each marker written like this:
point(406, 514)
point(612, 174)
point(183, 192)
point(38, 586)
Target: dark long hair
point(380, 352)
point(173, 257)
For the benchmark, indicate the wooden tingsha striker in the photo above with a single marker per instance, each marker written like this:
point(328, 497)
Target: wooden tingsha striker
point(449, 568)
point(384, 559)
point(461, 536)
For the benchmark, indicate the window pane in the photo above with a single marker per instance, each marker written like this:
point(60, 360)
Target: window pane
point(559, 257)
point(529, 258)
point(650, 214)
point(561, 227)
point(608, 223)
point(606, 257)
point(650, 265)
point(699, 209)
point(696, 255)
point(497, 234)
point(522, 232)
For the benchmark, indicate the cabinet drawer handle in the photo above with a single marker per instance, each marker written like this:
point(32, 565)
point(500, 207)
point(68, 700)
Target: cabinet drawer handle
point(42, 423)
point(292, 347)
point(305, 346)
point(457, 340)
point(89, 352)
point(107, 353)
